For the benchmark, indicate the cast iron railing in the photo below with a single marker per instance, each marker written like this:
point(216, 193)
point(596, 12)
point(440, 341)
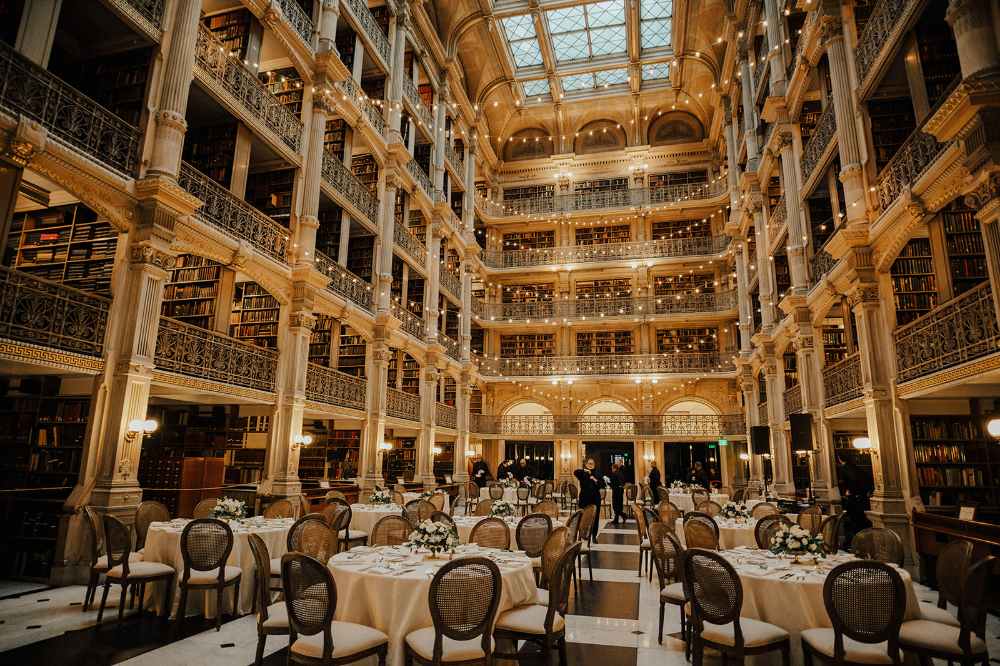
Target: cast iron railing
point(410, 244)
point(606, 364)
point(821, 137)
point(418, 174)
point(332, 387)
point(344, 283)
point(664, 425)
point(606, 252)
point(359, 10)
point(416, 102)
point(842, 381)
point(626, 306)
point(356, 194)
point(445, 416)
point(402, 405)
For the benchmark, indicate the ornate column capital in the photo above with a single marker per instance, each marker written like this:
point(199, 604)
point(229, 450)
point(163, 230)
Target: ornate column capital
point(985, 197)
point(392, 181)
point(303, 320)
point(782, 141)
point(150, 256)
point(831, 29)
point(322, 102)
point(864, 295)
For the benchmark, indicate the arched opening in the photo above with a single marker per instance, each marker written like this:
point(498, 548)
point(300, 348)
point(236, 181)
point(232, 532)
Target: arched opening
point(680, 457)
point(538, 456)
point(608, 418)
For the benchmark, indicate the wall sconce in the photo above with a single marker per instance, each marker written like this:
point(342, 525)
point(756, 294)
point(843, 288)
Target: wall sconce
point(993, 427)
point(301, 440)
point(648, 457)
point(470, 453)
point(436, 450)
point(745, 456)
point(138, 428)
point(385, 446)
point(864, 444)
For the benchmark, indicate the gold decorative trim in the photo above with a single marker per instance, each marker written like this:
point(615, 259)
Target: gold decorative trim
point(53, 358)
point(943, 377)
point(334, 409)
point(170, 379)
point(844, 407)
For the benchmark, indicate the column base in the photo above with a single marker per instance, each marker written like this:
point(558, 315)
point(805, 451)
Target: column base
point(890, 513)
point(288, 487)
point(119, 500)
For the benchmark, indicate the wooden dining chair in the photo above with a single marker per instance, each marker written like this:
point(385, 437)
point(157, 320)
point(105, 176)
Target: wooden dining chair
point(949, 573)
point(698, 516)
point(829, 529)
point(206, 544)
point(411, 510)
point(437, 499)
point(426, 509)
point(483, 508)
point(640, 527)
point(391, 531)
point(810, 518)
point(472, 491)
point(338, 515)
point(865, 602)
point(463, 600)
point(662, 494)
point(496, 492)
point(272, 619)
point(314, 637)
point(98, 560)
point(666, 553)
point(765, 528)
point(548, 507)
point(716, 596)
point(532, 532)
point(490, 533)
point(555, 545)
point(710, 508)
point(281, 508)
point(523, 499)
point(118, 542)
point(739, 495)
point(397, 498)
point(763, 509)
point(631, 494)
point(698, 534)
point(699, 496)
point(202, 508)
point(146, 513)
point(879, 544)
point(335, 494)
point(669, 513)
point(442, 517)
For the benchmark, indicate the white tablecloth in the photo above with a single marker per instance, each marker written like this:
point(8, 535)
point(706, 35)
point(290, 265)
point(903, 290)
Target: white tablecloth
point(397, 605)
point(465, 524)
point(730, 535)
point(163, 544)
point(509, 494)
point(364, 516)
point(795, 605)
point(409, 497)
point(684, 502)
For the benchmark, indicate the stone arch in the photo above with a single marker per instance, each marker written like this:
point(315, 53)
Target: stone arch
point(526, 407)
point(675, 127)
point(599, 136)
point(614, 405)
point(692, 405)
point(528, 144)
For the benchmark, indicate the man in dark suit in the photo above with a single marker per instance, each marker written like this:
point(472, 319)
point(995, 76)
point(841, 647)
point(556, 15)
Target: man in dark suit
point(654, 479)
point(524, 471)
point(480, 471)
point(618, 493)
point(701, 476)
point(504, 470)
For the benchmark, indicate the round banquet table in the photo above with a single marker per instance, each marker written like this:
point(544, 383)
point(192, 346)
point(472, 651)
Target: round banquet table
point(397, 604)
point(509, 494)
point(684, 502)
point(731, 535)
point(163, 544)
point(464, 525)
point(364, 516)
point(409, 497)
point(794, 604)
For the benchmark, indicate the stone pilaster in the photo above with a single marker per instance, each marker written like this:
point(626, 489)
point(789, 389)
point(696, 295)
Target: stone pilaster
point(433, 288)
point(437, 162)
point(430, 385)
point(395, 89)
point(797, 236)
point(329, 15)
point(370, 472)
point(388, 184)
point(749, 111)
point(975, 36)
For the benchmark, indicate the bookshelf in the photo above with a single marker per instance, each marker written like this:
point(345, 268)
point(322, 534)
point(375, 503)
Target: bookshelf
point(193, 295)
point(164, 479)
point(618, 233)
point(399, 210)
point(239, 31)
point(954, 460)
point(964, 242)
point(663, 229)
point(116, 82)
point(450, 391)
point(246, 444)
point(809, 117)
point(842, 444)
point(418, 224)
point(67, 244)
point(212, 150)
point(528, 293)
point(670, 341)
point(456, 204)
point(599, 343)
point(321, 341)
point(381, 16)
point(535, 344)
point(401, 461)
point(862, 13)
point(834, 344)
point(790, 369)
point(312, 457)
point(10, 20)
point(525, 240)
point(345, 47)
point(396, 286)
point(604, 185)
point(286, 85)
point(821, 222)
point(255, 315)
point(343, 450)
point(531, 192)
point(352, 352)
point(422, 156)
point(892, 122)
point(772, 194)
point(782, 274)
point(476, 401)
point(271, 193)
point(411, 375)
point(42, 434)
point(336, 132)
point(392, 374)
point(328, 234)
point(679, 178)
point(913, 282)
point(617, 288)
point(360, 255)
point(682, 285)
point(426, 91)
point(366, 169)
point(938, 56)
point(444, 462)
point(415, 296)
point(374, 88)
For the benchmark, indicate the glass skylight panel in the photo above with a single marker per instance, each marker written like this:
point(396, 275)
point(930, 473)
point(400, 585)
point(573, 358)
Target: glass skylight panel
point(655, 28)
point(586, 31)
point(604, 14)
point(567, 20)
point(611, 77)
point(523, 43)
point(656, 9)
point(571, 46)
point(519, 27)
point(607, 40)
point(536, 88)
point(577, 82)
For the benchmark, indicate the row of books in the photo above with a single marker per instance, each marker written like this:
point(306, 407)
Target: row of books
point(913, 283)
point(942, 454)
point(255, 316)
point(939, 429)
point(187, 308)
point(904, 266)
point(949, 476)
point(172, 291)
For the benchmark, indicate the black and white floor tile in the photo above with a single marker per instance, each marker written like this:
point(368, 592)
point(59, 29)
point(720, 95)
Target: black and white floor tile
point(613, 620)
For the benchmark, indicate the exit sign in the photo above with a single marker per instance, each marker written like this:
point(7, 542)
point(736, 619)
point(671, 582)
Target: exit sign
point(723, 442)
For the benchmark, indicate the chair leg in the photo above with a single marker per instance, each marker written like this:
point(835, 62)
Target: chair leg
point(590, 568)
point(168, 595)
point(88, 598)
point(104, 600)
point(662, 608)
point(142, 595)
point(218, 608)
point(236, 599)
point(562, 652)
point(182, 605)
point(784, 654)
point(121, 605)
point(261, 640)
point(383, 651)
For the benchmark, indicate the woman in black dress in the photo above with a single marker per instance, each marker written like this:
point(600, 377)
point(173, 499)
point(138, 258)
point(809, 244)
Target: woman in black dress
point(591, 483)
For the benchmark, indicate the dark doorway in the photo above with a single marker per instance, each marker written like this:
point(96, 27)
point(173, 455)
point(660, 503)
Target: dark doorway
point(607, 453)
point(537, 454)
point(679, 457)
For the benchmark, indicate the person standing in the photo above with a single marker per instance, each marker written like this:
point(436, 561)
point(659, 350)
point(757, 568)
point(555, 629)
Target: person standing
point(654, 479)
point(701, 476)
point(524, 471)
point(480, 471)
point(618, 493)
point(591, 484)
point(714, 479)
point(855, 488)
point(504, 470)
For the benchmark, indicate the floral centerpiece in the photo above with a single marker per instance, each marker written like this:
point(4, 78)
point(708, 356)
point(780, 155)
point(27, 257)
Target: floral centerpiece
point(695, 486)
point(756, 483)
point(797, 541)
point(509, 482)
point(427, 494)
point(503, 509)
point(735, 510)
point(381, 497)
point(678, 484)
point(435, 537)
point(228, 509)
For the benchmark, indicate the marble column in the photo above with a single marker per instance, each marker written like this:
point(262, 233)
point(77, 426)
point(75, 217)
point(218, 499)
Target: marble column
point(765, 274)
point(370, 470)
point(743, 299)
point(731, 156)
point(797, 235)
point(749, 111)
point(328, 17)
point(312, 174)
point(432, 290)
point(37, 32)
point(975, 36)
point(426, 440)
point(388, 185)
point(437, 159)
point(395, 91)
point(985, 200)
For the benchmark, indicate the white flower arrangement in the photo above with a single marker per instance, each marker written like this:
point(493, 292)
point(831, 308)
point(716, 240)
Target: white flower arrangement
point(229, 509)
point(509, 482)
point(796, 540)
point(678, 484)
point(735, 510)
point(426, 494)
point(435, 537)
point(381, 497)
point(503, 509)
point(695, 486)
point(756, 483)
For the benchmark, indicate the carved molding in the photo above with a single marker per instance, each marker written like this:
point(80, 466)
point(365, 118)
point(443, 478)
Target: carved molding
point(150, 256)
point(864, 295)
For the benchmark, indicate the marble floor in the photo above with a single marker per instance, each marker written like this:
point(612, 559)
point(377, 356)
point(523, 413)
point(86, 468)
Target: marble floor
point(610, 621)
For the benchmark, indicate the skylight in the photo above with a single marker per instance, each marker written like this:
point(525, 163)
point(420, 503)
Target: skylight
point(655, 17)
point(536, 88)
point(590, 30)
point(592, 80)
point(523, 42)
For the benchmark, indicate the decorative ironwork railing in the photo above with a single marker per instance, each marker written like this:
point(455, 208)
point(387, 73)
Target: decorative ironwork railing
point(963, 329)
point(779, 315)
point(842, 381)
point(589, 201)
point(768, 133)
point(412, 323)
point(800, 44)
point(451, 283)
point(150, 11)
point(632, 306)
point(826, 129)
point(248, 92)
point(445, 416)
point(762, 416)
point(363, 16)
point(233, 216)
point(46, 313)
point(402, 405)
point(344, 283)
point(607, 252)
point(332, 387)
point(761, 64)
point(605, 365)
point(451, 347)
point(455, 161)
point(371, 110)
point(418, 175)
point(876, 36)
point(778, 221)
point(416, 102)
point(791, 399)
point(195, 352)
point(410, 244)
point(340, 178)
point(67, 114)
point(821, 265)
point(666, 425)
point(298, 20)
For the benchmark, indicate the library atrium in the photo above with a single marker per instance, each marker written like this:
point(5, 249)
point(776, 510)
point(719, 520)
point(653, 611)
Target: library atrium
point(269, 249)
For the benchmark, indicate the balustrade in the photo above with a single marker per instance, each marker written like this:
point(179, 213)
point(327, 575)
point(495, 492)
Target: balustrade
point(418, 174)
point(791, 399)
point(762, 415)
point(608, 252)
point(821, 265)
point(455, 161)
point(195, 352)
point(450, 283)
point(606, 364)
point(842, 381)
point(355, 193)
point(364, 19)
point(963, 329)
point(445, 416)
point(148, 11)
point(761, 64)
point(411, 323)
point(68, 115)
point(402, 405)
point(368, 107)
point(417, 104)
point(664, 425)
point(49, 314)
point(332, 387)
point(410, 244)
point(629, 306)
point(451, 347)
point(234, 216)
point(826, 130)
point(779, 220)
point(876, 39)
point(298, 20)
point(344, 283)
